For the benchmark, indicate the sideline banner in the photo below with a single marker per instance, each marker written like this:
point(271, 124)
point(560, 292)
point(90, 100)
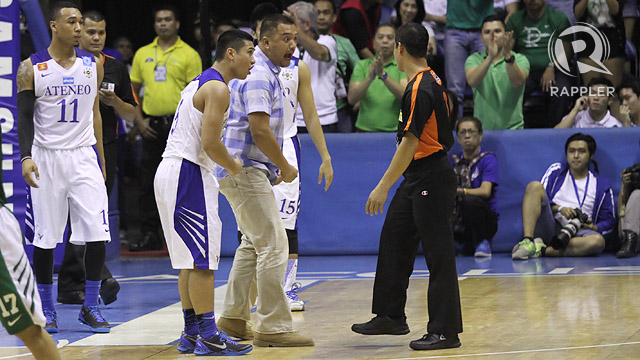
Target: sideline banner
point(14, 185)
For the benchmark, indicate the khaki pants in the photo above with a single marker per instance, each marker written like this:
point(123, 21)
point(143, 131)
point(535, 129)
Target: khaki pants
point(263, 253)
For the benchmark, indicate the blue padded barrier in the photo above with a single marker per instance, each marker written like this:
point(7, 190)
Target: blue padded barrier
point(334, 223)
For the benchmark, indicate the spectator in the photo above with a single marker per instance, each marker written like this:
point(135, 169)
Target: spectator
point(564, 6)
point(629, 211)
point(532, 29)
point(320, 53)
point(476, 212)
point(378, 85)
point(164, 67)
point(413, 11)
point(436, 19)
point(462, 38)
point(258, 14)
point(347, 60)
point(497, 76)
point(592, 111)
point(606, 16)
point(125, 48)
point(550, 204)
point(629, 95)
point(358, 20)
point(630, 14)
point(506, 8)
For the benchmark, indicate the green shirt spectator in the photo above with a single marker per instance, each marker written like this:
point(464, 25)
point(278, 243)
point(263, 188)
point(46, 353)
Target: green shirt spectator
point(379, 108)
point(495, 101)
point(532, 36)
point(467, 14)
point(347, 60)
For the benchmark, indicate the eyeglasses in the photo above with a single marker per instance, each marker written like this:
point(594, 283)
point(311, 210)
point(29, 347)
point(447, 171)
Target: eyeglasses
point(464, 132)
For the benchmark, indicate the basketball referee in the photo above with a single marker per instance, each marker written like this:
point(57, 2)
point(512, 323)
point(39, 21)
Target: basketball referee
point(421, 209)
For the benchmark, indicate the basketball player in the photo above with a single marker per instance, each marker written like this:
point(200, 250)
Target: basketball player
point(296, 80)
point(59, 124)
point(20, 308)
point(186, 192)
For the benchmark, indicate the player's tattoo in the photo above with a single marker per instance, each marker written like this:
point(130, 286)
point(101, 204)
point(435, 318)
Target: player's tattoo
point(25, 76)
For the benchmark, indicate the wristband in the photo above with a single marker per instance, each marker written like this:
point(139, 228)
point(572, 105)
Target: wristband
point(384, 76)
point(511, 60)
point(464, 191)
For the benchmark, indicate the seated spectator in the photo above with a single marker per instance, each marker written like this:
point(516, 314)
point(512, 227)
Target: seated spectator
point(407, 11)
point(358, 20)
point(497, 76)
point(378, 85)
point(629, 211)
point(629, 95)
point(532, 29)
point(320, 52)
point(347, 60)
point(476, 212)
point(462, 38)
point(566, 191)
point(606, 16)
point(592, 111)
point(506, 8)
point(435, 18)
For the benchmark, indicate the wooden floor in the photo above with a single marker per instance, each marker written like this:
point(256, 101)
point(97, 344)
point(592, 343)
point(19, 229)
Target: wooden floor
point(536, 317)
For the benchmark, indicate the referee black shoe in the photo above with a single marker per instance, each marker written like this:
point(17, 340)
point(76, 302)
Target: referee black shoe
point(433, 341)
point(382, 325)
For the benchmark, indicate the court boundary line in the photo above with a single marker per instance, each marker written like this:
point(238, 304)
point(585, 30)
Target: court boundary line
point(60, 344)
point(520, 351)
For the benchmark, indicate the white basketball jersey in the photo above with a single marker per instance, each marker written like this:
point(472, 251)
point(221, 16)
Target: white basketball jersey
point(63, 110)
point(289, 80)
point(185, 138)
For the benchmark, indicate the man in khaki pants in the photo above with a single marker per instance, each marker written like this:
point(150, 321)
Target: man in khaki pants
point(254, 134)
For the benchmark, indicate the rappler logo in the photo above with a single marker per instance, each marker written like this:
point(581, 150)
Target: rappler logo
point(599, 54)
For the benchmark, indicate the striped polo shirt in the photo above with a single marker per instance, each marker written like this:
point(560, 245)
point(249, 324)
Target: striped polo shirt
point(261, 91)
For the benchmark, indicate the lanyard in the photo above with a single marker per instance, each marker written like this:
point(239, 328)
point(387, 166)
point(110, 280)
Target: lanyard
point(575, 187)
point(166, 61)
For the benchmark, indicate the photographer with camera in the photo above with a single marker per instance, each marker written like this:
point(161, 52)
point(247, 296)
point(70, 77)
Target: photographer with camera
point(552, 209)
point(629, 211)
point(476, 211)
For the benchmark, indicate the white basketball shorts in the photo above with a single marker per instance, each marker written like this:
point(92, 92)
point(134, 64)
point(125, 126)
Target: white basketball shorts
point(187, 199)
point(288, 194)
point(71, 184)
point(20, 305)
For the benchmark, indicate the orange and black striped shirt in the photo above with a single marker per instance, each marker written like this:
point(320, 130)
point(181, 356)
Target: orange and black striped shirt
point(425, 114)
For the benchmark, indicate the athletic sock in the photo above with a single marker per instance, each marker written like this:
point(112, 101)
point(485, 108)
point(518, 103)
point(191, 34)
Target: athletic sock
point(91, 292)
point(46, 296)
point(207, 325)
point(290, 275)
point(190, 322)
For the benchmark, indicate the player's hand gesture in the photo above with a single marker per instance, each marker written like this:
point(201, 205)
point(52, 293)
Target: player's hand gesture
point(326, 170)
point(28, 167)
point(376, 201)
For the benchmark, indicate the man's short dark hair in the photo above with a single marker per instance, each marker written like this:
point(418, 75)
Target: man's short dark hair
point(414, 38)
point(591, 142)
point(260, 12)
point(333, 7)
point(494, 17)
point(384, 25)
point(93, 15)
point(270, 24)
point(54, 9)
point(472, 119)
point(600, 81)
point(634, 85)
point(234, 39)
point(167, 7)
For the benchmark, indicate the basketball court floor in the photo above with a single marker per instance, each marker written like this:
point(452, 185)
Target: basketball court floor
point(583, 308)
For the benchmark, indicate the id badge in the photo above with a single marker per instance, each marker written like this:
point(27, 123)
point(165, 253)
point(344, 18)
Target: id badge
point(161, 73)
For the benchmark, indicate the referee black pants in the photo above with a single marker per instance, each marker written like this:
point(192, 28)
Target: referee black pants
point(420, 213)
